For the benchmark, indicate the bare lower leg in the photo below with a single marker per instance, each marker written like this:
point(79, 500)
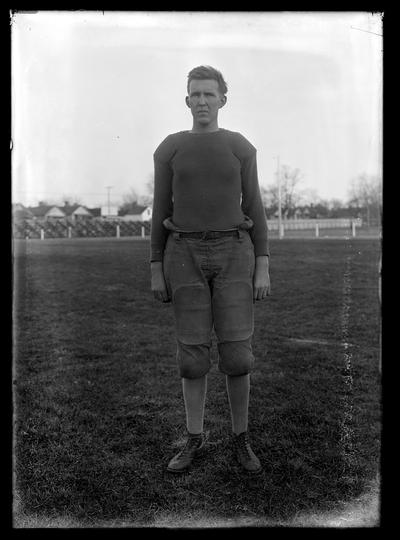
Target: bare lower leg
point(194, 395)
point(238, 389)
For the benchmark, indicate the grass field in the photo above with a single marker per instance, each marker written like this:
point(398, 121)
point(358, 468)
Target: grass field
point(98, 405)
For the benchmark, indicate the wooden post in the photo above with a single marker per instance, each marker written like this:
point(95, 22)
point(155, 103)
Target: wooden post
point(69, 232)
point(118, 230)
point(316, 230)
point(41, 234)
point(353, 228)
point(143, 232)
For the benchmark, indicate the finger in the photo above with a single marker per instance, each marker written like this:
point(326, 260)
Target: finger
point(158, 296)
point(162, 296)
point(264, 291)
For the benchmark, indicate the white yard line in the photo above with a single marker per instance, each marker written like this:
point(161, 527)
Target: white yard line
point(302, 341)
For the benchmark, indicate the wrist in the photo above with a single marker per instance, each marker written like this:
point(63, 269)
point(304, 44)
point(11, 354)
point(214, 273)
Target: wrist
point(262, 261)
point(156, 266)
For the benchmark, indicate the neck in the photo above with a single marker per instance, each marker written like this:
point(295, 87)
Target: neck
point(209, 128)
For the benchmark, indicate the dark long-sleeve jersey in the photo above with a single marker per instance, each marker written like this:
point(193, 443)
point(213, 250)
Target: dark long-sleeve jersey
point(206, 182)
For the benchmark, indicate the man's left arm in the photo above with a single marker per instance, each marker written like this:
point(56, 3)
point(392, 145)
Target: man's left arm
point(253, 207)
point(261, 281)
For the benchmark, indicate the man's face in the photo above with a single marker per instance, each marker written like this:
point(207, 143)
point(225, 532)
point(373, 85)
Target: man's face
point(204, 100)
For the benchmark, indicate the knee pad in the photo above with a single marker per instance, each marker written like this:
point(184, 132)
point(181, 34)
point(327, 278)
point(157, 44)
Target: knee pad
point(193, 360)
point(235, 357)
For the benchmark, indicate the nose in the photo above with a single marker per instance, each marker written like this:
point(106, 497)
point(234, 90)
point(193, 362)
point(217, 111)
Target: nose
point(202, 99)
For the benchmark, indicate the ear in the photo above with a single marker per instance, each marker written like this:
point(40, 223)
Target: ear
point(223, 101)
point(187, 101)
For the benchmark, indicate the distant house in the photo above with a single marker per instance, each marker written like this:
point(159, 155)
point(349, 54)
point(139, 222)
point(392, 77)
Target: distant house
point(95, 212)
point(17, 206)
point(136, 212)
point(46, 211)
point(304, 212)
point(109, 211)
point(19, 212)
point(275, 215)
point(76, 211)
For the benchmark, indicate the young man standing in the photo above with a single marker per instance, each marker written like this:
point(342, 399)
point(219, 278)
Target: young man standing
point(209, 256)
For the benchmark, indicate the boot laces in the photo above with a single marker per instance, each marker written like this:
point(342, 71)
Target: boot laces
point(243, 446)
point(192, 443)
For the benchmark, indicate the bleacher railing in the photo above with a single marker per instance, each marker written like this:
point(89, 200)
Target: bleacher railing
point(67, 228)
point(108, 228)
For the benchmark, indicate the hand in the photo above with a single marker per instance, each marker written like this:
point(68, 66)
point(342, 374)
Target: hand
point(261, 281)
point(158, 285)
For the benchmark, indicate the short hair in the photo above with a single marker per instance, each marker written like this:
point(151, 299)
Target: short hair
point(208, 72)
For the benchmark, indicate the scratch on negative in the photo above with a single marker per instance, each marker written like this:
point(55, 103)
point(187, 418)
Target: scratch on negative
point(346, 425)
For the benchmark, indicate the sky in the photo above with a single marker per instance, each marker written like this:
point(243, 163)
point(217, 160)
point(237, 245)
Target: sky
point(94, 94)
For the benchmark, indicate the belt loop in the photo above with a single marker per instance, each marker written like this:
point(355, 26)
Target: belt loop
point(240, 235)
point(176, 235)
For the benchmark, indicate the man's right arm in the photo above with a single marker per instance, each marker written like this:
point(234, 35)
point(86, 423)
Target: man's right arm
point(158, 285)
point(162, 208)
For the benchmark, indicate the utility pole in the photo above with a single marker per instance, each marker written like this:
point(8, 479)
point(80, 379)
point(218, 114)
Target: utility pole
point(278, 174)
point(108, 188)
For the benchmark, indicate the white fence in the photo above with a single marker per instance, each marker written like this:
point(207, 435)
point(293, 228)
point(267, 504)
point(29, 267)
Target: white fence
point(301, 224)
point(314, 224)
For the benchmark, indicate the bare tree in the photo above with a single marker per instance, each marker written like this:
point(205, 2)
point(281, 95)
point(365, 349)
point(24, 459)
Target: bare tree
point(70, 200)
point(334, 204)
point(265, 196)
point(290, 193)
point(150, 184)
point(130, 197)
point(147, 198)
point(309, 196)
point(366, 193)
point(128, 200)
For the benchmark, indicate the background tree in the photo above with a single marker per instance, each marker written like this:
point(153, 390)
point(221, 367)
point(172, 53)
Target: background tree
point(147, 198)
point(290, 192)
point(128, 200)
point(365, 195)
point(130, 197)
point(338, 209)
point(265, 196)
point(70, 200)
